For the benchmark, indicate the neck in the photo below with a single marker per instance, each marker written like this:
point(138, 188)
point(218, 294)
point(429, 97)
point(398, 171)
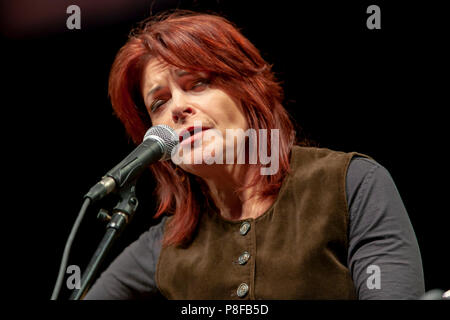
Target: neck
point(223, 182)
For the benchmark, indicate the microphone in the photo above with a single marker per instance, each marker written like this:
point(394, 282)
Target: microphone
point(157, 145)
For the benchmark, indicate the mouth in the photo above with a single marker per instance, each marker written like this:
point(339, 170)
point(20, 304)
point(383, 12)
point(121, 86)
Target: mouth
point(190, 133)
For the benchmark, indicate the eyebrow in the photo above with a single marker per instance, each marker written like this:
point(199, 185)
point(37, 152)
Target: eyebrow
point(180, 73)
point(154, 90)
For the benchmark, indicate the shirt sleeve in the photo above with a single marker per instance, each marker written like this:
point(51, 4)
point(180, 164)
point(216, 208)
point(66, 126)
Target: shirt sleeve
point(132, 274)
point(383, 257)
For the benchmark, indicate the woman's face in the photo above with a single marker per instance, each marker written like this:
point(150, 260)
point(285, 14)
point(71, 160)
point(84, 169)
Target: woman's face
point(187, 102)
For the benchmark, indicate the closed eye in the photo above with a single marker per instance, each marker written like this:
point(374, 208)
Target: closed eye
point(196, 85)
point(156, 104)
point(199, 84)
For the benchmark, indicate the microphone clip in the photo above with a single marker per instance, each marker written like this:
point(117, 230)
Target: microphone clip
point(122, 213)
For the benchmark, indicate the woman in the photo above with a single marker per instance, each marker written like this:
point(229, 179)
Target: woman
point(318, 224)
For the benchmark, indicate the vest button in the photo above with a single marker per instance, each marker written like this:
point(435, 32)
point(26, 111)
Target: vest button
point(242, 290)
point(245, 226)
point(243, 258)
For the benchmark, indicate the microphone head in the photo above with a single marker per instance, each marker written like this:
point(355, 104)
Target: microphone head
point(166, 138)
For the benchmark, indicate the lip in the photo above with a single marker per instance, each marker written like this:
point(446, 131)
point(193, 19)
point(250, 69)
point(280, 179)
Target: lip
point(192, 137)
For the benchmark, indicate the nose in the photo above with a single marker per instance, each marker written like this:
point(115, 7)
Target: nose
point(181, 109)
point(180, 113)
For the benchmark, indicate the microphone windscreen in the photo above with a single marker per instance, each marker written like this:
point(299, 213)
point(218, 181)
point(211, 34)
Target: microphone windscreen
point(166, 136)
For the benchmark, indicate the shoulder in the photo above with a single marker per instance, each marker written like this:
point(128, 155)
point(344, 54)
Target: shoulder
point(315, 153)
point(153, 237)
point(145, 248)
point(304, 155)
point(361, 168)
point(158, 228)
point(367, 176)
point(322, 160)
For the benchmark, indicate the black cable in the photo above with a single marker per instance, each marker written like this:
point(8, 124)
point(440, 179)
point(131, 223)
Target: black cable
point(65, 258)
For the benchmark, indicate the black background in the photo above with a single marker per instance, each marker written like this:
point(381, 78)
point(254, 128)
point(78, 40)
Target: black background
point(379, 92)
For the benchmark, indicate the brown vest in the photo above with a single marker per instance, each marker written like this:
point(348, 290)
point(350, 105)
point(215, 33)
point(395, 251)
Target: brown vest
point(296, 250)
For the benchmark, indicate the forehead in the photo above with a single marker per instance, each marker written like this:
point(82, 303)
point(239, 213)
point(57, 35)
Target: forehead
point(157, 71)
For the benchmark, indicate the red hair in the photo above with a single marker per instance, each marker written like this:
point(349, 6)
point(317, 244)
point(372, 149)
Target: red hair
point(199, 42)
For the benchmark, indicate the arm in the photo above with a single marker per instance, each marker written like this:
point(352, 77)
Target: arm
point(381, 236)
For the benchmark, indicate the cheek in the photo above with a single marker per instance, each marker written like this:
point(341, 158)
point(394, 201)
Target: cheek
point(236, 117)
point(160, 119)
point(227, 112)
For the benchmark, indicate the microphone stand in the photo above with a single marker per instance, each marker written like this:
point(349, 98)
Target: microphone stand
point(122, 214)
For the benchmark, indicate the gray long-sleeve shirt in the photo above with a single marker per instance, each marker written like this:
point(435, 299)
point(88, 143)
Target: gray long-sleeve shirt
point(383, 256)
